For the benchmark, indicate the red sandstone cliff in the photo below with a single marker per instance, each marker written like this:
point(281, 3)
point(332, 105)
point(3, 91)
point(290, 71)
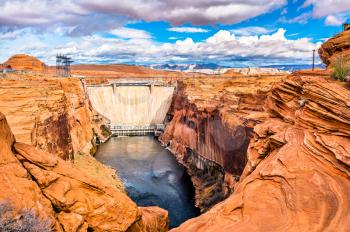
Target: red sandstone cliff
point(337, 45)
point(211, 128)
point(51, 113)
point(298, 170)
point(64, 196)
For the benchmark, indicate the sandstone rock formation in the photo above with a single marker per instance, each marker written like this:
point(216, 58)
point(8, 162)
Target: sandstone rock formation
point(210, 130)
point(298, 170)
point(54, 189)
point(337, 45)
point(26, 63)
point(51, 113)
point(16, 184)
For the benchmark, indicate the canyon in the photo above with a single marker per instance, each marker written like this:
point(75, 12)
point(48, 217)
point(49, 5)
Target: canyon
point(297, 172)
point(211, 138)
point(264, 151)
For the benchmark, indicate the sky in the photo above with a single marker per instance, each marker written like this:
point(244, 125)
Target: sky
point(235, 33)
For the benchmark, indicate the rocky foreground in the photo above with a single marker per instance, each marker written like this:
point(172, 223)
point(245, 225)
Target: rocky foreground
point(66, 198)
point(298, 164)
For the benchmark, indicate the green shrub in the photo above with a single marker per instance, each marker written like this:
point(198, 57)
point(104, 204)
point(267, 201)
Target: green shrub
point(341, 68)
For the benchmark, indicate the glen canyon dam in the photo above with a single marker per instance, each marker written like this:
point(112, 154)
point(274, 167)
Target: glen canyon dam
point(180, 116)
point(132, 105)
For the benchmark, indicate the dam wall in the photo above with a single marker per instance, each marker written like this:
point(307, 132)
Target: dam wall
point(132, 106)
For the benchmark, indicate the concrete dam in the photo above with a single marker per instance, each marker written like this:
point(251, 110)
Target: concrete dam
point(133, 107)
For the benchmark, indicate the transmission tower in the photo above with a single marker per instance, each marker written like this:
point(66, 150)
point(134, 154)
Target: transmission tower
point(63, 65)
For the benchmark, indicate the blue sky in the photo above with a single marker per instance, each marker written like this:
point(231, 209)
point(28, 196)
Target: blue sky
point(227, 32)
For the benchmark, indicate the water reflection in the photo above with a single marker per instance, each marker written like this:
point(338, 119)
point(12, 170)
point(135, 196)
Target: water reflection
point(151, 175)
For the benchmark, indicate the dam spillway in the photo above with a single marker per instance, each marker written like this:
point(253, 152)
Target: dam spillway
point(132, 107)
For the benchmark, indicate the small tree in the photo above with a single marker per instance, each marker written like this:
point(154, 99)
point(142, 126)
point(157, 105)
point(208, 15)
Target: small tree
point(341, 68)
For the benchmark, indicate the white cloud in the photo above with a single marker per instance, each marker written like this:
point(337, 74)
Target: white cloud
point(246, 31)
point(332, 20)
point(130, 33)
point(34, 12)
point(188, 29)
point(322, 8)
point(223, 46)
point(335, 11)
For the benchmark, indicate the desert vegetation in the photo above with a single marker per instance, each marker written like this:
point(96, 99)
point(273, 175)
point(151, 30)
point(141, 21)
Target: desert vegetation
point(341, 68)
point(24, 221)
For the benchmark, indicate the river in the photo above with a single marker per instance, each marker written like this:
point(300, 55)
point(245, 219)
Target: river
point(151, 175)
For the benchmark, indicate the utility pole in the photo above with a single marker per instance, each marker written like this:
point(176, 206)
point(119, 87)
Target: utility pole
point(313, 60)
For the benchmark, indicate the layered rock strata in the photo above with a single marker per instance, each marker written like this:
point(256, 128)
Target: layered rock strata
point(25, 62)
point(335, 46)
point(298, 170)
point(209, 133)
point(69, 199)
point(52, 114)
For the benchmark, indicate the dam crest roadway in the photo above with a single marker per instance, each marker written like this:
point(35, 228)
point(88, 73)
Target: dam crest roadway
point(133, 107)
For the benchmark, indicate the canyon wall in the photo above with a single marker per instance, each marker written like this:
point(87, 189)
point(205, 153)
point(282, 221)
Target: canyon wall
point(63, 197)
point(298, 170)
point(51, 113)
point(132, 105)
point(211, 128)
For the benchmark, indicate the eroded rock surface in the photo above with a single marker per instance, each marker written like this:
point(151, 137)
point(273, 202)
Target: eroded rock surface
point(337, 45)
point(16, 185)
point(50, 113)
point(25, 62)
point(297, 175)
point(210, 130)
point(102, 208)
point(71, 200)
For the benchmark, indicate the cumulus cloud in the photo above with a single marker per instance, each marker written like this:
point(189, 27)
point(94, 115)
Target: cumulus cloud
point(188, 29)
point(81, 13)
point(222, 47)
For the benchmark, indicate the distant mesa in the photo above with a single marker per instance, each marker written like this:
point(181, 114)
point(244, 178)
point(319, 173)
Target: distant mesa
point(24, 62)
point(337, 45)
